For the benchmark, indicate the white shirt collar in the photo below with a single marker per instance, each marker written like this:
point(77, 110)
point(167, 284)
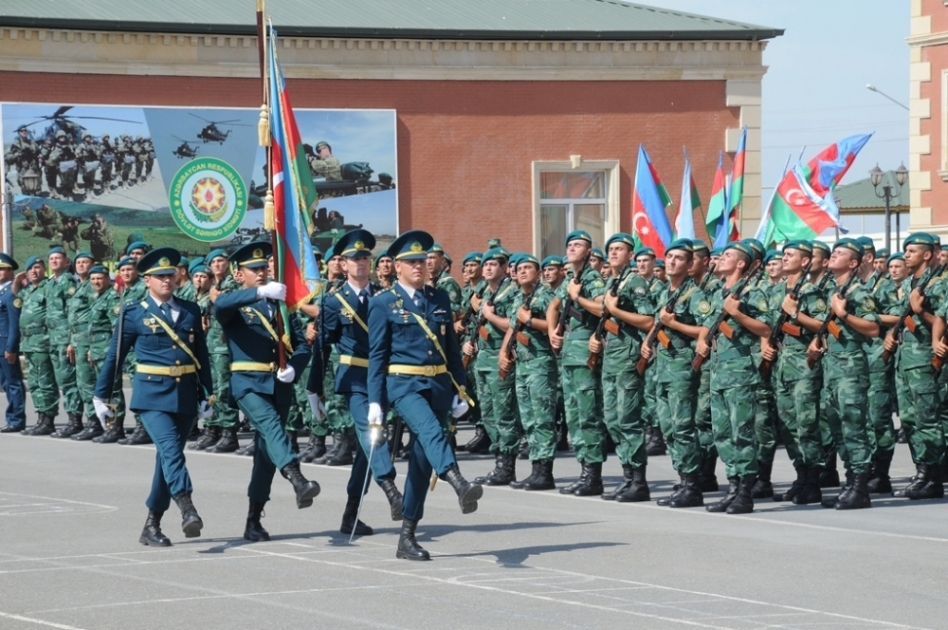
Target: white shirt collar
point(356, 289)
point(407, 289)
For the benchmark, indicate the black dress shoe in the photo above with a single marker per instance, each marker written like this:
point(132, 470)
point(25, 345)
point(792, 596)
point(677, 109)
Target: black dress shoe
point(151, 534)
point(254, 531)
point(408, 547)
point(306, 490)
point(191, 523)
point(11, 429)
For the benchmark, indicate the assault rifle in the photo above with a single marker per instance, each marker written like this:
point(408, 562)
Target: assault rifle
point(657, 333)
point(567, 307)
point(606, 323)
point(720, 324)
point(783, 326)
point(829, 324)
point(510, 348)
point(906, 319)
point(478, 326)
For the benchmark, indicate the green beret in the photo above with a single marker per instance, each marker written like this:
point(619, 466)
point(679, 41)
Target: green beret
point(55, 249)
point(529, 258)
point(882, 252)
point(578, 235)
point(32, 260)
point(621, 237)
point(515, 259)
point(184, 262)
point(756, 247)
point(659, 263)
point(215, 253)
point(127, 260)
point(598, 253)
point(743, 247)
point(472, 257)
point(495, 253)
point(820, 245)
point(868, 245)
point(98, 269)
point(851, 244)
point(84, 254)
point(645, 251)
point(493, 243)
point(800, 245)
point(772, 254)
point(918, 238)
point(552, 261)
point(717, 251)
point(684, 244)
point(436, 249)
point(136, 245)
point(698, 246)
point(896, 256)
point(200, 267)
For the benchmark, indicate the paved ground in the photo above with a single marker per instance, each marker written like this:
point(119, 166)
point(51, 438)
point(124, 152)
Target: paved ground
point(70, 515)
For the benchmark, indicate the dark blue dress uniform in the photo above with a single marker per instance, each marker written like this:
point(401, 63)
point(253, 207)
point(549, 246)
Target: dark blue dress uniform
point(343, 322)
point(407, 370)
point(250, 326)
point(11, 376)
point(171, 379)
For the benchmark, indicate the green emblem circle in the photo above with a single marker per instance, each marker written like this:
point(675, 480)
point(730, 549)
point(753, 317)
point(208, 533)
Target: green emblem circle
point(208, 199)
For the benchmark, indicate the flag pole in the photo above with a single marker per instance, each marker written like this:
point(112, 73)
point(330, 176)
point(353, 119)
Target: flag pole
point(263, 137)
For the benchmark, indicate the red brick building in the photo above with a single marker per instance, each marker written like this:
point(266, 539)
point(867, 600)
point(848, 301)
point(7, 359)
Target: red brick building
point(515, 118)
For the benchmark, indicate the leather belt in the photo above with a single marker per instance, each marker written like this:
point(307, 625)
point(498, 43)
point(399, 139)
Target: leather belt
point(163, 370)
point(251, 366)
point(346, 359)
point(418, 370)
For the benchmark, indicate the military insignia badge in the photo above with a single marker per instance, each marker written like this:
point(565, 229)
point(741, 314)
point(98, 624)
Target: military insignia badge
point(868, 304)
point(704, 307)
point(258, 253)
point(762, 306)
point(359, 245)
point(416, 248)
point(71, 290)
point(640, 290)
point(118, 307)
point(819, 305)
point(164, 262)
point(17, 303)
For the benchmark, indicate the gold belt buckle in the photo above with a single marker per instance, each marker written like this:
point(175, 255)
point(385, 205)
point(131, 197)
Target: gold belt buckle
point(431, 370)
point(175, 370)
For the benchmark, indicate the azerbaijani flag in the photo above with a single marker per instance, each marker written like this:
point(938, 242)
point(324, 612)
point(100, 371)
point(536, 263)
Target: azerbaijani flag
point(294, 193)
point(717, 207)
point(690, 201)
point(736, 196)
point(827, 168)
point(800, 212)
point(649, 221)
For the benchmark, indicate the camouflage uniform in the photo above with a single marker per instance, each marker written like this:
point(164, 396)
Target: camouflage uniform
point(450, 286)
point(329, 168)
point(58, 293)
point(709, 452)
point(24, 154)
point(225, 414)
point(535, 377)
point(765, 415)
point(881, 375)
point(103, 314)
point(79, 310)
point(35, 346)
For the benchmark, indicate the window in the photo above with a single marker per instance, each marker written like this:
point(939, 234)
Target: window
point(567, 199)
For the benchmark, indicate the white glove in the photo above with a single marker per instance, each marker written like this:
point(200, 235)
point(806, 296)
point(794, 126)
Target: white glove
point(319, 410)
point(273, 291)
point(375, 413)
point(102, 411)
point(286, 375)
point(205, 411)
point(458, 407)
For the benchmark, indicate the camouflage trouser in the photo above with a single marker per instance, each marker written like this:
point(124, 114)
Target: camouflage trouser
point(560, 422)
point(503, 427)
point(583, 402)
point(826, 435)
point(846, 382)
point(536, 400)
point(42, 382)
point(703, 417)
point(482, 385)
point(942, 387)
point(652, 416)
point(675, 409)
point(65, 373)
point(118, 394)
point(733, 415)
point(881, 400)
point(622, 395)
point(85, 379)
point(798, 408)
point(765, 422)
point(920, 404)
point(225, 416)
point(338, 418)
point(474, 415)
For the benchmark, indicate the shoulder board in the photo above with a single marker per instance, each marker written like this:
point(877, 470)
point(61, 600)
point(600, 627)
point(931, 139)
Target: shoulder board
point(687, 293)
point(505, 291)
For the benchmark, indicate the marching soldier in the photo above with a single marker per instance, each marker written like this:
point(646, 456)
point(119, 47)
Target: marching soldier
point(645, 267)
point(553, 272)
point(261, 388)
point(344, 325)
point(581, 385)
point(597, 259)
point(60, 288)
point(37, 348)
point(441, 277)
point(415, 366)
point(474, 285)
point(170, 386)
point(629, 310)
point(78, 308)
point(11, 376)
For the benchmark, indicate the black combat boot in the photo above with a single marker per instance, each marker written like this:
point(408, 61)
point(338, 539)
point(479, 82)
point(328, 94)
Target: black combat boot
point(212, 436)
point(562, 439)
point(707, 477)
point(45, 425)
point(622, 487)
point(343, 456)
point(845, 490)
point(655, 445)
point(91, 429)
point(544, 479)
point(227, 444)
point(665, 501)
point(138, 436)
point(795, 488)
point(505, 471)
point(349, 519)
point(151, 533)
point(247, 450)
point(763, 489)
point(468, 493)
point(191, 523)
point(394, 497)
point(73, 426)
point(880, 482)
point(254, 531)
point(811, 492)
point(408, 547)
point(195, 433)
point(857, 496)
point(638, 491)
point(534, 467)
point(743, 503)
point(829, 477)
point(734, 485)
point(579, 482)
point(524, 452)
point(306, 490)
point(689, 495)
point(114, 431)
point(593, 485)
point(315, 448)
point(294, 436)
point(337, 439)
point(917, 481)
point(480, 443)
point(933, 488)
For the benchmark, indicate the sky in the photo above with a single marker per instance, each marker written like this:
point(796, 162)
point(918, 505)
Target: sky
point(814, 91)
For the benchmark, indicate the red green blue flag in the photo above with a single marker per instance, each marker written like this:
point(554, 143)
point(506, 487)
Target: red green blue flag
point(649, 221)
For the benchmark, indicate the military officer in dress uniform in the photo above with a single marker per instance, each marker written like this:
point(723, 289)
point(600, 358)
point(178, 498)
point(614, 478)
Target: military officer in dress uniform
point(170, 386)
point(344, 325)
point(415, 365)
point(261, 388)
point(11, 378)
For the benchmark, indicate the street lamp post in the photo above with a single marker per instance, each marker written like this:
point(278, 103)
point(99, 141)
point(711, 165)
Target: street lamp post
point(875, 176)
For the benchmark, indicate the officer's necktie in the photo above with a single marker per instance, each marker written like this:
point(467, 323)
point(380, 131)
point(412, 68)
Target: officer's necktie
point(419, 301)
point(363, 296)
point(166, 311)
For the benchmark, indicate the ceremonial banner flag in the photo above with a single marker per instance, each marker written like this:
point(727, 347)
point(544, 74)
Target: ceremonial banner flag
point(827, 168)
point(736, 196)
point(690, 202)
point(798, 211)
point(649, 221)
point(716, 221)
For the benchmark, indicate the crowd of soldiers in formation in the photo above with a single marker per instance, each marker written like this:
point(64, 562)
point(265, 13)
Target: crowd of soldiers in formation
point(89, 168)
point(703, 355)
